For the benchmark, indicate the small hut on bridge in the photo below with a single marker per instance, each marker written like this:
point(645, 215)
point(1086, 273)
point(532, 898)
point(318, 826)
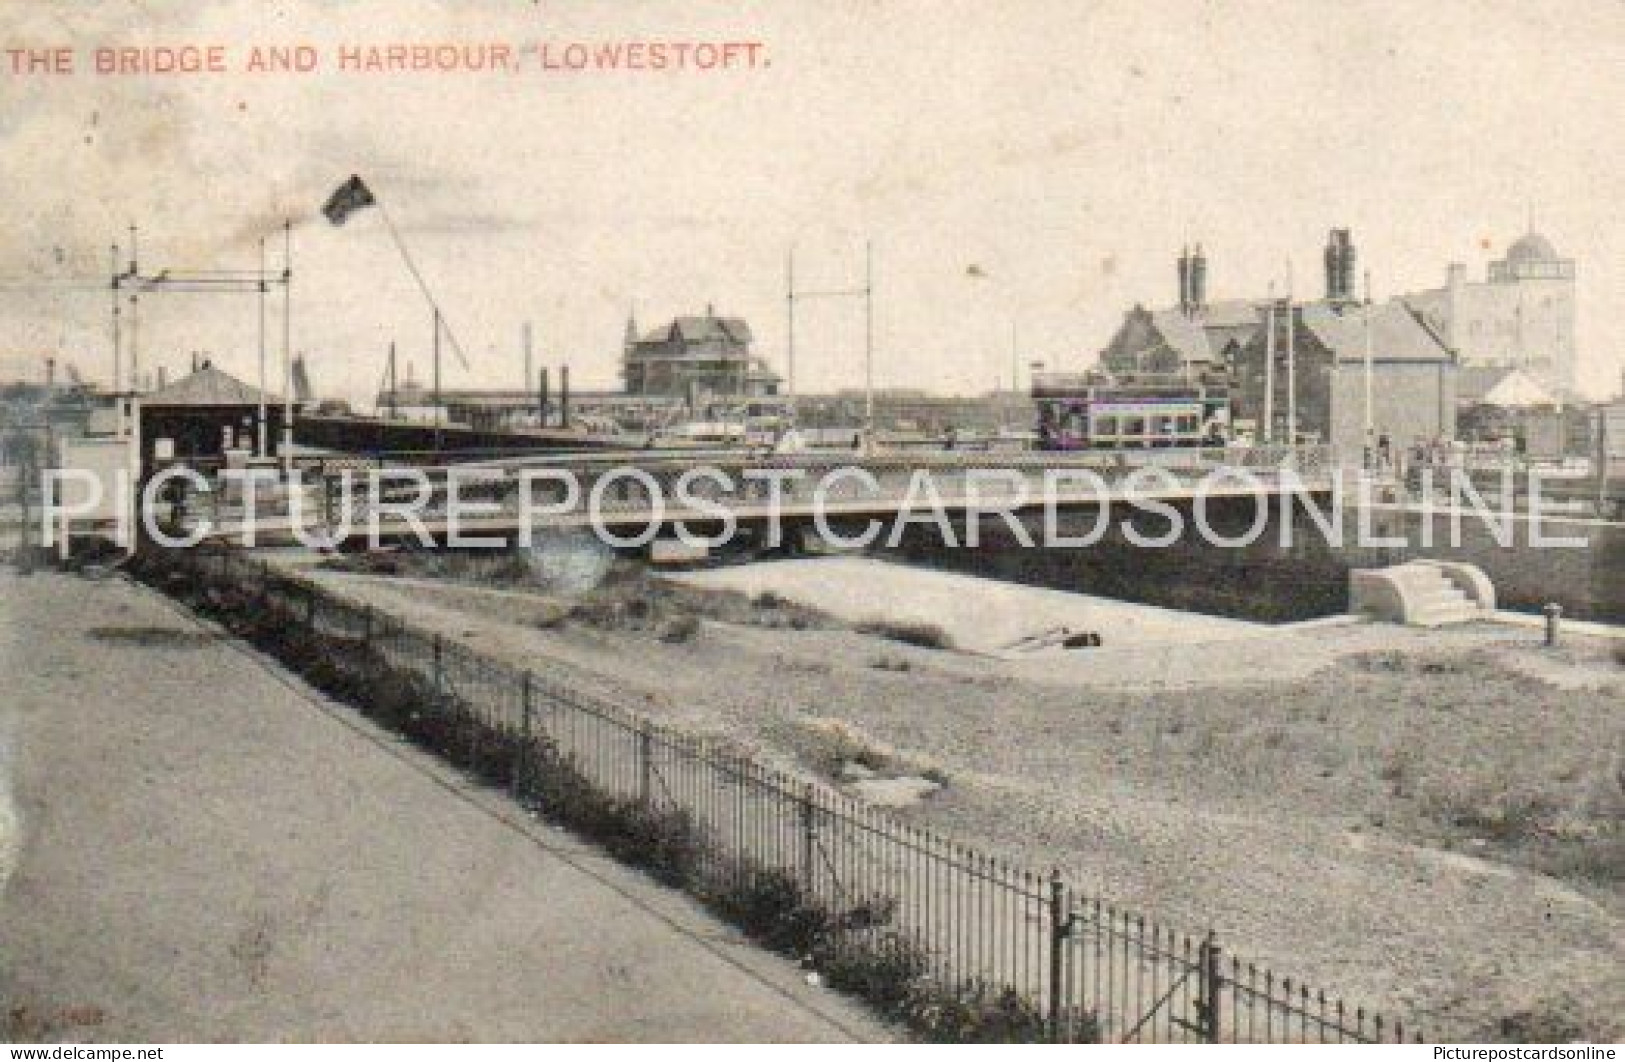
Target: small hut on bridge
point(204, 415)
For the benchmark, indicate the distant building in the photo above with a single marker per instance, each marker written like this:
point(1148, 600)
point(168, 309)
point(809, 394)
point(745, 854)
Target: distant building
point(694, 358)
point(1413, 374)
point(1413, 364)
point(1191, 337)
point(1521, 316)
point(205, 414)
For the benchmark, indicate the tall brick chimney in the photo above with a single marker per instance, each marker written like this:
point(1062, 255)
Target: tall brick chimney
point(1198, 280)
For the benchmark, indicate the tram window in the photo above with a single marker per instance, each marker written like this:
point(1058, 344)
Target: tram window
point(1134, 426)
point(1188, 424)
point(1105, 425)
point(1162, 425)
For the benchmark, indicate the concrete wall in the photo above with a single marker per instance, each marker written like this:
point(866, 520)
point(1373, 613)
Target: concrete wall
point(1265, 581)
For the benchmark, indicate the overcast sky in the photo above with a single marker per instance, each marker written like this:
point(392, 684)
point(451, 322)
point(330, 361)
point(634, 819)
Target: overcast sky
point(1067, 149)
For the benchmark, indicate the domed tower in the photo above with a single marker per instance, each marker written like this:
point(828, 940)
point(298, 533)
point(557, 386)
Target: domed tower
point(1531, 257)
point(1534, 288)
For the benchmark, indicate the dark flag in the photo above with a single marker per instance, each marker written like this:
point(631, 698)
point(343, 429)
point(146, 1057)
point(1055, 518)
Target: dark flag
point(351, 196)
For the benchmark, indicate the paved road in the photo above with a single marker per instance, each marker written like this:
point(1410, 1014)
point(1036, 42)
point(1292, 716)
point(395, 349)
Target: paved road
point(210, 851)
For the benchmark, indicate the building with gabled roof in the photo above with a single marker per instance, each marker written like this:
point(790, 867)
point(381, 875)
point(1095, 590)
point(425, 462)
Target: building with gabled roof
point(206, 413)
point(1320, 358)
point(694, 358)
point(1173, 340)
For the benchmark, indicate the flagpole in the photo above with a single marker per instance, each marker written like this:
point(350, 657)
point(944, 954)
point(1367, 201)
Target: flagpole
point(417, 275)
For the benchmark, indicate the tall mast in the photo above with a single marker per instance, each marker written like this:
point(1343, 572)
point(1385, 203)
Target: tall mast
point(118, 352)
point(1291, 363)
point(525, 344)
point(1269, 369)
point(1015, 359)
point(287, 343)
point(135, 313)
point(262, 447)
point(868, 344)
point(1370, 419)
point(790, 327)
point(437, 407)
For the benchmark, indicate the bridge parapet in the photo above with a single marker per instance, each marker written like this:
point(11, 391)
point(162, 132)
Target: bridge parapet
point(501, 492)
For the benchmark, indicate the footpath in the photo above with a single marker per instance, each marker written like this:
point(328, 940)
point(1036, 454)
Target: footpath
point(195, 846)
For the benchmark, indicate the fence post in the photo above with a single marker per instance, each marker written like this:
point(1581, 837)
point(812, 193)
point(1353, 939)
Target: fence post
point(521, 767)
point(645, 763)
point(1058, 926)
point(1208, 988)
point(809, 838)
point(438, 673)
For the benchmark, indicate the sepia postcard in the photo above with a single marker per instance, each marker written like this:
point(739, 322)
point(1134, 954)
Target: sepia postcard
point(866, 522)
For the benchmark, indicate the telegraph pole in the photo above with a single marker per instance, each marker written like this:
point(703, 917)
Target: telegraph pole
point(525, 342)
point(1370, 419)
point(1269, 369)
point(118, 351)
point(790, 328)
point(135, 314)
point(868, 346)
point(262, 441)
point(1291, 363)
point(287, 345)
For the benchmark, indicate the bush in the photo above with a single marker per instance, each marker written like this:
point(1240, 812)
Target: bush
point(680, 629)
point(923, 635)
point(663, 840)
point(772, 908)
point(977, 1012)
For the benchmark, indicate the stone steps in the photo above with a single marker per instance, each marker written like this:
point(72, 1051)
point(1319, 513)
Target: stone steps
point(1422, 594)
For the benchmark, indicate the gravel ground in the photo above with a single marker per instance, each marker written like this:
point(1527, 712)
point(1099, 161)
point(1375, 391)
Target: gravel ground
point(1425, 822)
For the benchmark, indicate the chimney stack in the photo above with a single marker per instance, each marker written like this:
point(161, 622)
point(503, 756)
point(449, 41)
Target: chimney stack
point(564, 396)
point(541, 397)
point(1198, 273)
point(1348, 260)
point(1185, 280)
point(1340, 263)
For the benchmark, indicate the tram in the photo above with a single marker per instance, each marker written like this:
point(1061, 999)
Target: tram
point(1102, 412)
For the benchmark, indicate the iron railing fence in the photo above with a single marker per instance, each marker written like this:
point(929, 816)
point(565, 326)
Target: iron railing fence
point(1057, 963)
